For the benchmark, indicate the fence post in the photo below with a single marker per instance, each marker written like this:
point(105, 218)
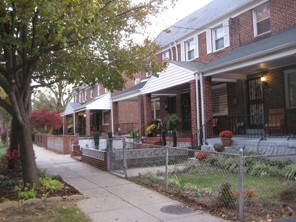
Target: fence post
point(109, 153)
point(124, 158)
point(166, 169)
point(241, 185)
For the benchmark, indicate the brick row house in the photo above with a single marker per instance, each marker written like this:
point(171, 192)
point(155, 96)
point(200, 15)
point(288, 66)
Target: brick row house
point(231, 65)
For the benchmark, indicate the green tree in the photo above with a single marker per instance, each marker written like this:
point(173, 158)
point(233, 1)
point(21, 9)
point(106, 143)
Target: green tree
point(47, 41)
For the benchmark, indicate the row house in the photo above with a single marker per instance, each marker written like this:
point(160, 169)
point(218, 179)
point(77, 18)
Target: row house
point(231, 65)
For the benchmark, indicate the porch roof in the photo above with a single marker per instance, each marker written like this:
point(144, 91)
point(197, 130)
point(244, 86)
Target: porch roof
point(175, 74)
point(102, 102)
point(130, 93)
point(70, 108)
point(277, 50)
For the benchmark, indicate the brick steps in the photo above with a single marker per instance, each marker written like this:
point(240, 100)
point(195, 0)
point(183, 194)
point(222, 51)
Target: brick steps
point(153, 140)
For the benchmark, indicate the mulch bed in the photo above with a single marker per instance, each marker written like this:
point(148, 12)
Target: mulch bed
point(8, 192)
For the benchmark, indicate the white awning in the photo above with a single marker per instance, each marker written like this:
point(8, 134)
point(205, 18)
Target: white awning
point(173, 75)
point(102, 102)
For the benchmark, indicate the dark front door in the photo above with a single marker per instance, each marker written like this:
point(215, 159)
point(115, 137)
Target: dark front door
point(186, 112)
point(256, 108)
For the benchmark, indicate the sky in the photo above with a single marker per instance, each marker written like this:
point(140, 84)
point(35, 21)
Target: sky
point(167, 18)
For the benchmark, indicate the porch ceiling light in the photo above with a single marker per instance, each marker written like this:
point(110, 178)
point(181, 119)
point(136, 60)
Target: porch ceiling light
point(263, 79)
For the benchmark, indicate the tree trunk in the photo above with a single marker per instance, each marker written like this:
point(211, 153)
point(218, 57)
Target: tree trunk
point(28, 156)
point(14, 135)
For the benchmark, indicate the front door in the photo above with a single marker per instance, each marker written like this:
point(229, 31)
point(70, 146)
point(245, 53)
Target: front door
point(256, 108)
point(186, 112)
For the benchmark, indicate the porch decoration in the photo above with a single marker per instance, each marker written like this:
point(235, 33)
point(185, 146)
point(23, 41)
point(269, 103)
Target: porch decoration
point(151, 130)
point(225, 137)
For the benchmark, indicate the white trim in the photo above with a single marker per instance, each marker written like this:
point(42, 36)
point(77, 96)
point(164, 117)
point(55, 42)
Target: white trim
point(202, 106)
point(183, 57)
point(105, 112)
point(196, 47)
point(209, 41)
point(255, 22)
point(197, 108)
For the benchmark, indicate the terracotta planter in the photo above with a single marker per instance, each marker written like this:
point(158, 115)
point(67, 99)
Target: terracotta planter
point(226, 141)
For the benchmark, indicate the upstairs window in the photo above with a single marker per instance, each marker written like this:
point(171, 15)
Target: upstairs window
point(189, 49)
point(218, 37)
point(166, 55)
point(261, 19)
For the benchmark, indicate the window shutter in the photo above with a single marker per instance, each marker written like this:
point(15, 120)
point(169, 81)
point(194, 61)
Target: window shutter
point(182, 52)
point(209, 40)
point(226, 33)
point(196, 49)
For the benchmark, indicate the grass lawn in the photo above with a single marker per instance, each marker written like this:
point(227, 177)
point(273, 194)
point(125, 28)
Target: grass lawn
point(212, 179)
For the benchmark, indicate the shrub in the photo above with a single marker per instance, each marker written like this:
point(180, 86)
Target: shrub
point(50, 184)
point(290, 172)
point(226, 197)
point(26, 192)
point(151, 129)
point(201, 155)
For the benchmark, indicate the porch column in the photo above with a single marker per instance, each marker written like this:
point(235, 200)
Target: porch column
point(115, 117)
point(87, 123)
point(194, 127)
point(147, 108)
point(141, 125)
point(65, 125)
point(75, 123)
point(207, 106)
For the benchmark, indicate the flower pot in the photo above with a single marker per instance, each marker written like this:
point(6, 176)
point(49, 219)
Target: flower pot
point(226, 141)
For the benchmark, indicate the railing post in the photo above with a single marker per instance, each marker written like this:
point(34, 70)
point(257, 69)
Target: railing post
point(124, 158)
point(241, 185)
point(109, 153)
point(166, 169)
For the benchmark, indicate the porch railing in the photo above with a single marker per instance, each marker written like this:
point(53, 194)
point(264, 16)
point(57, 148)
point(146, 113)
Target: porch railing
point(256, 126)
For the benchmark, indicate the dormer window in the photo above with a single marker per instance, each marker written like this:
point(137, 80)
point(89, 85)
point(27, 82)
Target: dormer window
point(261, 19)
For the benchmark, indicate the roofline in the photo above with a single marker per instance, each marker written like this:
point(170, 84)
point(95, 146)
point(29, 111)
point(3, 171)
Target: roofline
point(114, 98)
point(253, 56)
point(212, 22)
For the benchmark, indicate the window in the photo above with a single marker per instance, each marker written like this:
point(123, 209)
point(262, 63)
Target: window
point(261, 19)
point(219, 99)
point(105, 118)
point(137, 81)
point(92, 93)
point(166, 55)
point(290, 88)
point(106, 90)
point(189, 49)
point(218, 37)
point(148, 74)
point(155, 106)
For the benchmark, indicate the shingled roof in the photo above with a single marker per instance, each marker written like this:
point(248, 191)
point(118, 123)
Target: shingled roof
point(198, 19)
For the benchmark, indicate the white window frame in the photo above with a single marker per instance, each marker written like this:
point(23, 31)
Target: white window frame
point(211, 37)
point(105, 118)
point(166, 55)
point(185, 49)
point(255, 21)
point(287, 87)
point(85, 95)
point(155, 106)
point(148, 74)
point(221, 100)
point(137, 81)
point(98, 89)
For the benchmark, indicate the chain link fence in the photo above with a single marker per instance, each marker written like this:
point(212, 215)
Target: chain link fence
point(240, 186)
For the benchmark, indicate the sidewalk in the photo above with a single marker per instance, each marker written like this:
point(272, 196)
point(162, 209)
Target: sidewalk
point(111, 198)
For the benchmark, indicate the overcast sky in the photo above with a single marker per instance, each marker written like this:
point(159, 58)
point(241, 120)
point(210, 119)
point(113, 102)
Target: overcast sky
point(172, 15)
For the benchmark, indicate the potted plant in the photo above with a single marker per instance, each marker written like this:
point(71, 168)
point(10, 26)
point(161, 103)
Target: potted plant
point(225, 137)
point(151, 130)
point(218, 147)
point(171, 124)
point(96, 136)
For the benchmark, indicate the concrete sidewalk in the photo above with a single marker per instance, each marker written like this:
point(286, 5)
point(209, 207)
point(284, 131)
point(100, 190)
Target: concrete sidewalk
point(111, 198)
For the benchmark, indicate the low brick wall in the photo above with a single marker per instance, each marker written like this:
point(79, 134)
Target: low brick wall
point(95, 158)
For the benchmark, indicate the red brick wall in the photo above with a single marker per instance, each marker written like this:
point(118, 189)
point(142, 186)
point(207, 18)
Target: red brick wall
point(282, 14)
point(95, 162)
point(128, 112)
point(147, 108)
point(193, 106)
